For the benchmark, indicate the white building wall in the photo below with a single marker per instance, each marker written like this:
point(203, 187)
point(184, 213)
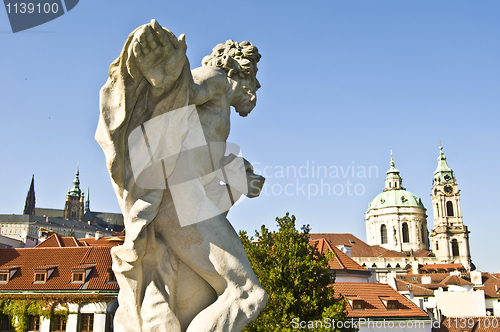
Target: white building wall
point(100, 322)
point(72, 323)
point(471, 303)
point(496, 308)
point(44, 324)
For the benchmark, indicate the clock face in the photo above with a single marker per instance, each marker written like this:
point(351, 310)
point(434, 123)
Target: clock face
point(448, 189)
point(74, 208)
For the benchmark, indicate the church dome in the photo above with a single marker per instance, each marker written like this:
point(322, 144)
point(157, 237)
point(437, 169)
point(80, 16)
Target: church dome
point(394, 194)
point(395, 198)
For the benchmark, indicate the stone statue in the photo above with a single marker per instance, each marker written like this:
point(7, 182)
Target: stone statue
point(163, 129)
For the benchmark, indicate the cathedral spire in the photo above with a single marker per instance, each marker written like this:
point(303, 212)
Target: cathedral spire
point(87, 200)
point(75, 190)
point(29, 205)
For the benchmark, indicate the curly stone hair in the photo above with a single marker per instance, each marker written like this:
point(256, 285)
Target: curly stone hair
point(234, 58)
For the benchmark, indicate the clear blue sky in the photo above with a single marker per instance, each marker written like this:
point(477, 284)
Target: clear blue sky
point(343, 83)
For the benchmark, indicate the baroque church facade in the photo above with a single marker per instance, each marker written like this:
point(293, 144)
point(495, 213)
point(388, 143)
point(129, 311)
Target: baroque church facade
point(396, 220)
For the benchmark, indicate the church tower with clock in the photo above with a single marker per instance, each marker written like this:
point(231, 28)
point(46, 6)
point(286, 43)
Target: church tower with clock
point(450, 237)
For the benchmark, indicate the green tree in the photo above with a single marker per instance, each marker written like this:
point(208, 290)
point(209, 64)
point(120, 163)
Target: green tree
point(296, 276)
point(71, 232)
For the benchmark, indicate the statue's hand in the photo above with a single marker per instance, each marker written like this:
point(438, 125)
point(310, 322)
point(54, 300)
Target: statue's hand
point(159, 54)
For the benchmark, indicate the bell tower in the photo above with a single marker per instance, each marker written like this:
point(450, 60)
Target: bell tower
point(450, 237)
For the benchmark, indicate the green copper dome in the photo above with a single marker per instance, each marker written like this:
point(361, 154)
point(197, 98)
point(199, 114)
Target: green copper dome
point(395, 198)
point(394, 194)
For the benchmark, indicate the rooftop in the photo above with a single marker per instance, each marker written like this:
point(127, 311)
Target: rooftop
point(374, 296)
point(340, 261)
point(59, 262)
point(360, 248)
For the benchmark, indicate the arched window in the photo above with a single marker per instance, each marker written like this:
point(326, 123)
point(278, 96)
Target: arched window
point(437, 245)
point(437, 209)
point(390, 185)
point(449, 209)
point(406, 234)
point(383, 234)
point(454, 248)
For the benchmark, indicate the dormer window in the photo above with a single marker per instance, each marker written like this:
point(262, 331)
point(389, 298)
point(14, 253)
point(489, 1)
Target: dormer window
point(78, 277)
point(111, 277)
point(43, 273)
point(80, 273)
point(391, 303)
point(7, 274)
point(358, 305)
point(40, 277)
point(356, 302)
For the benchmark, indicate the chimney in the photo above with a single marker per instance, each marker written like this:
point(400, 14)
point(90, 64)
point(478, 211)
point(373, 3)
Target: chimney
point(88, 235)
point(475, 278)
point(98, 235)
point(414, 267)
point(426, 280)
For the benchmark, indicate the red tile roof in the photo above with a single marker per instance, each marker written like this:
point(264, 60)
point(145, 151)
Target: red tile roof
point(104, 241)
point(416, 279)
point(418, 290)
point(422, 253)
point(58, 241)
point(359, 248)
point(426, 268)
point(457, 281)
point(373, 296)
point(490, 285)
point(340, 261)
point(63, 259)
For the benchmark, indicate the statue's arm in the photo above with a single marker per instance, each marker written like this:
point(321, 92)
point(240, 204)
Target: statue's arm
point(208, 83)
point(159, 56)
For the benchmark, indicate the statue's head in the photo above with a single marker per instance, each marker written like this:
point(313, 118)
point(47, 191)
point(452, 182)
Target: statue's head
point(239, 62)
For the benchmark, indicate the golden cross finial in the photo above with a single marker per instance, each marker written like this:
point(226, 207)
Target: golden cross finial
point(392, 160)
point(440, 146)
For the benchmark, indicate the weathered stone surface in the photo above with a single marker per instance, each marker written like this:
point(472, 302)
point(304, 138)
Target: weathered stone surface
point(163, 130)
